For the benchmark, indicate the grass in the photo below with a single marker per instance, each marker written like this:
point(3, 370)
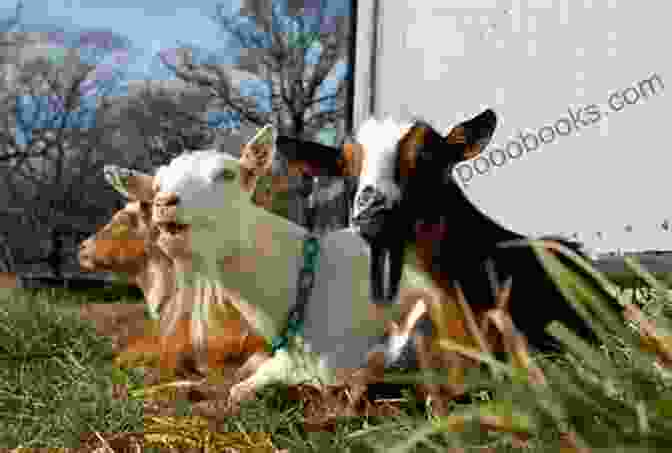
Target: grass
point(55, 375)
point(57, 381)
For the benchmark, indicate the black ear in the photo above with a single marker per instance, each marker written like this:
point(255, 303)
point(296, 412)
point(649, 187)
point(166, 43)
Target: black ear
point(473, 135)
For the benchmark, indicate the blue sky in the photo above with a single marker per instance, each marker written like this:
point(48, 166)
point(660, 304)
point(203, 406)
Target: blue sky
point(150, 25)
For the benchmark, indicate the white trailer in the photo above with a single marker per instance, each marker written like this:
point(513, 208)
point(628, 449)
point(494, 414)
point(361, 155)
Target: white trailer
point(584, 79)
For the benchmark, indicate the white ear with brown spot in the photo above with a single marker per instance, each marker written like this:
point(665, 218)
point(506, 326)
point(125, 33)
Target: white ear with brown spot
point(132, 184)
point(257, 156)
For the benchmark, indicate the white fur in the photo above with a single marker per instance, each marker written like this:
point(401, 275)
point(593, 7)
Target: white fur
point(379, 139)
point(191, 176)
point(335, 330)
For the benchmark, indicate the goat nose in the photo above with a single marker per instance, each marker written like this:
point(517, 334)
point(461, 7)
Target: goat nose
point(370, 200)
point(85, 244)
point(85, 252)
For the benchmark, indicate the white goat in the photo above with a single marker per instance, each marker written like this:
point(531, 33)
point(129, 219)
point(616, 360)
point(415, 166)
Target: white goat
point(217, 238)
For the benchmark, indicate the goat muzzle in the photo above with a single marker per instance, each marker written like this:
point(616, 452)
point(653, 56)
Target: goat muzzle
point(164, 209)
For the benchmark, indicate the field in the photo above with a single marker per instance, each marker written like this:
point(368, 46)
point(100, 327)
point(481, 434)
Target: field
point(60, 388)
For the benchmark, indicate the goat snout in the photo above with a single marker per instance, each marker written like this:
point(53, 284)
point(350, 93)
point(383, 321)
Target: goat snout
point(87, 251)
point(87, 245)
point(165, 207)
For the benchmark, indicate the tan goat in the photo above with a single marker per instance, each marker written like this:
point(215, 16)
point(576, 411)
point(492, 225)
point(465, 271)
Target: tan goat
point(126, 245)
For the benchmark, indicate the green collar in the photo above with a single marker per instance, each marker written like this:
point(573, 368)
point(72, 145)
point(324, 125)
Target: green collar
point(294, 327)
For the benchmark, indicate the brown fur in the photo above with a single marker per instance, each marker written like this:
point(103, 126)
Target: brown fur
point(8, 280)
point(407, 153)
point(141, 187)
point(254, 162)
point(353, 159)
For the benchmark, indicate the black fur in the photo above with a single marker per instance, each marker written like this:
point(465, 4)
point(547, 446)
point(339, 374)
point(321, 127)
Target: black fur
point(471, 239)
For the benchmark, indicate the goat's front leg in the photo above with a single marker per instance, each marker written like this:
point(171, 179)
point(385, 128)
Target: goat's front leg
point(416, 323)
point(377, 359)
point(266, 370)
point(242, 391)
point(429, 361)
point(252, 364)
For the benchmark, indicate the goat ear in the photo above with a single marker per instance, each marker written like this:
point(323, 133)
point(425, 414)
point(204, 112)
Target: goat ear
point(473, 135)
point(257, 156)
point(132, 184)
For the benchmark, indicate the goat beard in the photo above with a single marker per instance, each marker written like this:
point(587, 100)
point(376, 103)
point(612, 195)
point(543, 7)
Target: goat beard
point(386, 255)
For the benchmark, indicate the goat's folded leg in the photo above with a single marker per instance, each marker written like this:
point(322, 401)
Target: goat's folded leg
point(266, 370)
point(252, 364)
point(242, 391)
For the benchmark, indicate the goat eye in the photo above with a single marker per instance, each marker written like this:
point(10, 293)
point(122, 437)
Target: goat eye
point(174, 227)
point(227, 175)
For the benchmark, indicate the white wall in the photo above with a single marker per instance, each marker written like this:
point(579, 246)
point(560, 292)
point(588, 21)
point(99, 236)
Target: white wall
point(530, 61)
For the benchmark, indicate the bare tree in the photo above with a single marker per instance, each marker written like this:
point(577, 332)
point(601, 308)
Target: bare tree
point(168, 123)
point(294, 56)
point(11, 40)
point(9, 44)
point(55, 118)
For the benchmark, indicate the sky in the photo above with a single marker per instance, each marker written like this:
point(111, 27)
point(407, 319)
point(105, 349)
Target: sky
point(151, 26)
point(531, 61)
